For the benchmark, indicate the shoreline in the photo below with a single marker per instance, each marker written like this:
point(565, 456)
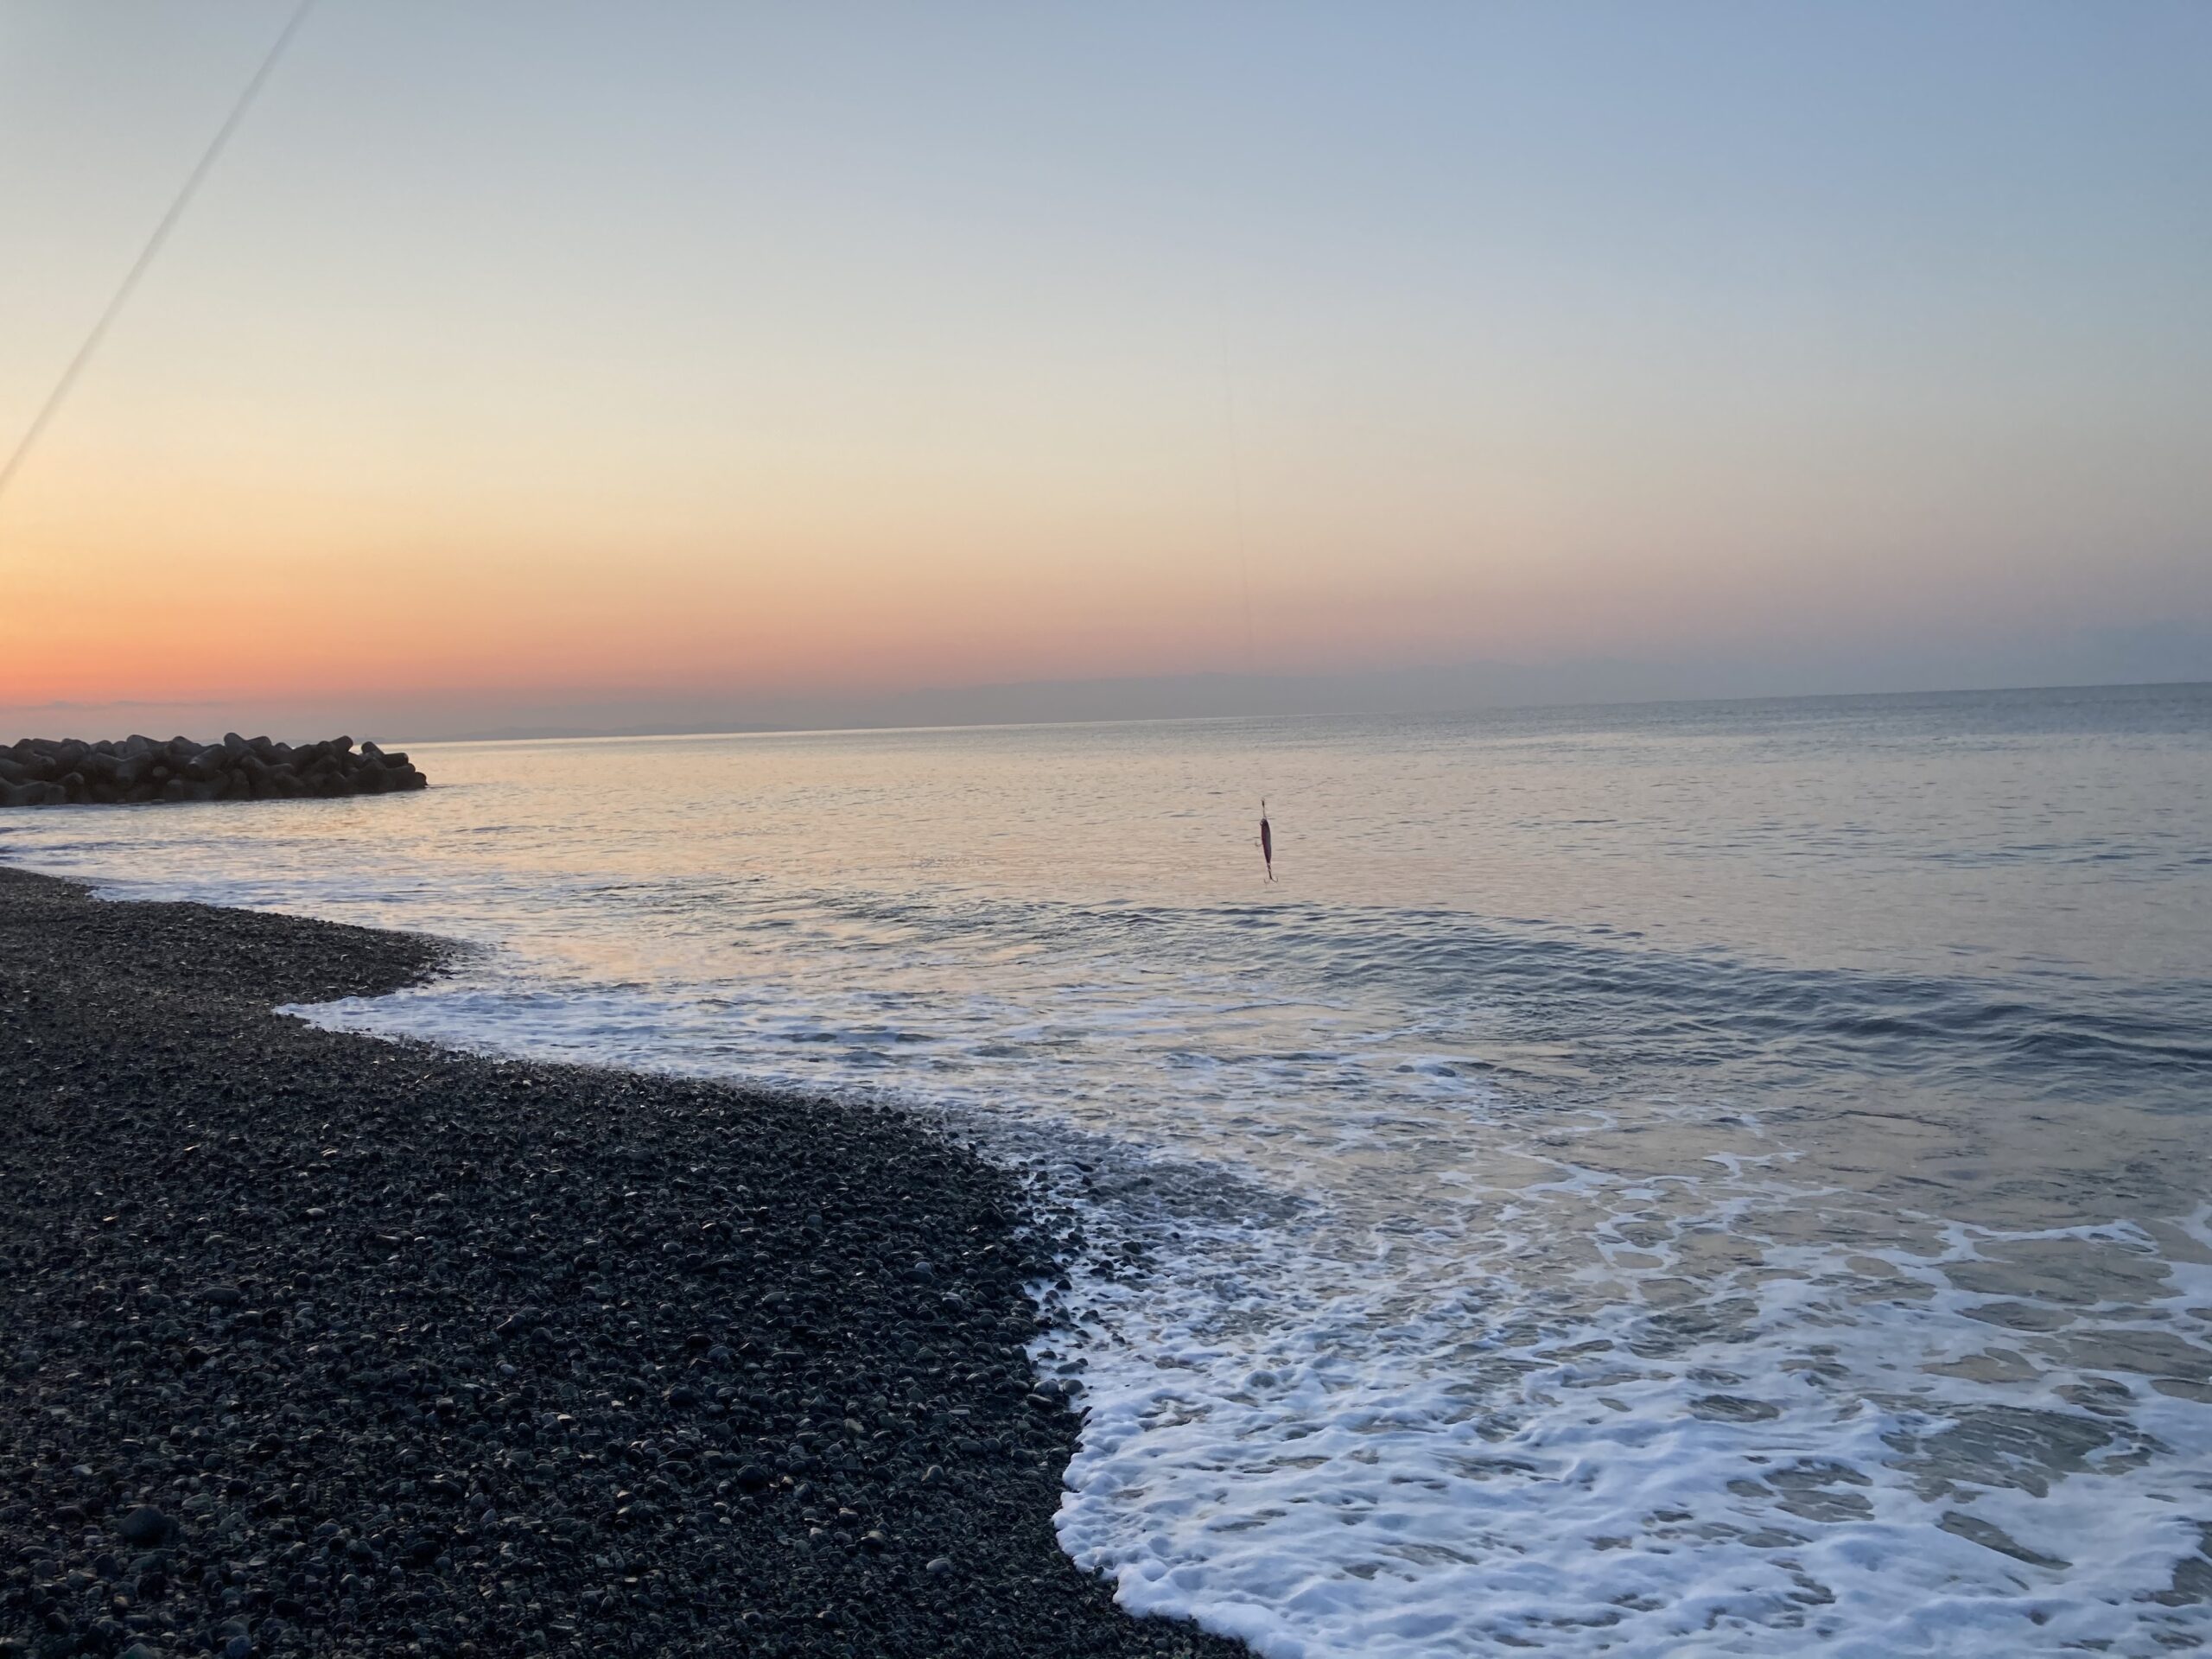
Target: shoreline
point(322, 1344)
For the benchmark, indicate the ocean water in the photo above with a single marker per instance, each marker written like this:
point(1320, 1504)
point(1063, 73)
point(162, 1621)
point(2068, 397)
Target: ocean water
point(1729, 1179)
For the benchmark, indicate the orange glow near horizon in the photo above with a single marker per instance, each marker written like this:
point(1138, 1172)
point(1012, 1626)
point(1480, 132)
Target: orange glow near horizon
point(190, 588)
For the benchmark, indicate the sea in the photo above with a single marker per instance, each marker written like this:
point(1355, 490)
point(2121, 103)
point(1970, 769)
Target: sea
point(1676, 1179)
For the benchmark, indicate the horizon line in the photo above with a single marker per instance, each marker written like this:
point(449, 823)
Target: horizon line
point(530, 735)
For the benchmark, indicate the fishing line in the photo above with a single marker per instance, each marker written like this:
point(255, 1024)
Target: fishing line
point(1243, 548)
point(146, 254)
point(1236, 487)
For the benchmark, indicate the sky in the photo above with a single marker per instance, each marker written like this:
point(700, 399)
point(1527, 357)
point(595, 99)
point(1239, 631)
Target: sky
point(548, 365)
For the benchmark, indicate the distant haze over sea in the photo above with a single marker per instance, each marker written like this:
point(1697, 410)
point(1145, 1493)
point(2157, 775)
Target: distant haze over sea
point(2142, 656)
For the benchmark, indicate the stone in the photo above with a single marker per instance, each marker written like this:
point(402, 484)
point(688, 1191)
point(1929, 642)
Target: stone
point(145, 1527)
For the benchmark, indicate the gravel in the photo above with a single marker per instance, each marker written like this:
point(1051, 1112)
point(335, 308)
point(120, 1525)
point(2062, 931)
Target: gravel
point(311, 1344)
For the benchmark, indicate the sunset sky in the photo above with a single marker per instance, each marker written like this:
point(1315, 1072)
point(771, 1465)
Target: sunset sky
point(520, 355)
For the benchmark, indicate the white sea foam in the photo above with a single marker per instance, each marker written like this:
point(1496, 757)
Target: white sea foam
point(1421, 1451)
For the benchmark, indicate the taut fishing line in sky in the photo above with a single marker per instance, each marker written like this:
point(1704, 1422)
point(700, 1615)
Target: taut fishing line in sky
point(1237, 488)
point(146, 255)
point(1243, 550)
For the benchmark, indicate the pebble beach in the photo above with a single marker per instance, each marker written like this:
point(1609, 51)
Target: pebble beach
point(319, 1343)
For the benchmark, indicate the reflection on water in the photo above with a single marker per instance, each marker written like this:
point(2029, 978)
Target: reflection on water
point(1726, 1179)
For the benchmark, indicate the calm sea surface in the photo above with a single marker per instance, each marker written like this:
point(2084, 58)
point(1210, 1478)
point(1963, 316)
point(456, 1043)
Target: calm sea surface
point(1728, 1178)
